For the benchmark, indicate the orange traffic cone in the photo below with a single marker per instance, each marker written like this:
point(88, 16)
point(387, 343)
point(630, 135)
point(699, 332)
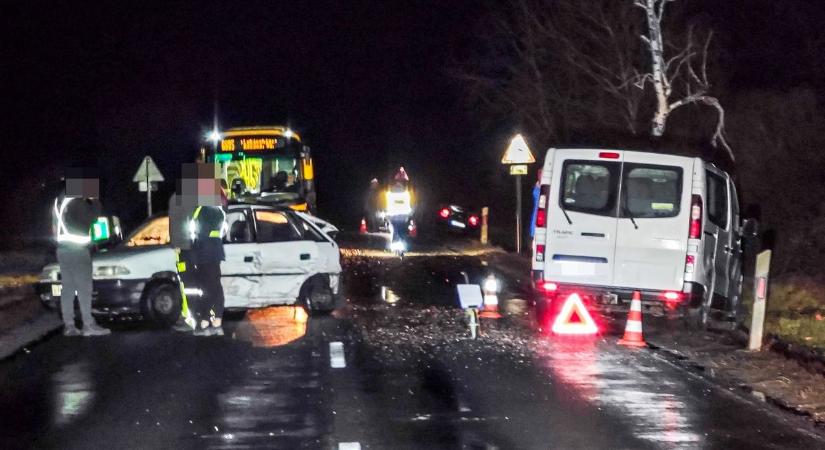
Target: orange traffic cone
point(363, 228)
point(633, 330)
point(490, 289)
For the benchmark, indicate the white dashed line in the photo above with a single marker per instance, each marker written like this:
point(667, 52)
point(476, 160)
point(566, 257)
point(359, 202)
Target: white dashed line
point(349, 445)
point(337, 361)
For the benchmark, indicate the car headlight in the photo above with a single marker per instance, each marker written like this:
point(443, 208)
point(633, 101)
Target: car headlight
point(50, 274)
point(109, 271)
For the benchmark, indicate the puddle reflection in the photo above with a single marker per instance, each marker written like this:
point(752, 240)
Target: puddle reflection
point(626, 384)
point(74, 392)
point(272, 327)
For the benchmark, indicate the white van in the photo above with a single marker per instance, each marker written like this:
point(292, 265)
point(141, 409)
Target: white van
point(611, 222)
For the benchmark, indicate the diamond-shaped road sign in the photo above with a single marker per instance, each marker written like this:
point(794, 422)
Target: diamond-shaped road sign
point(518, 152)
point(147, 169)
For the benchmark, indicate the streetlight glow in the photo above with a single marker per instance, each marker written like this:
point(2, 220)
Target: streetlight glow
point(214, 136)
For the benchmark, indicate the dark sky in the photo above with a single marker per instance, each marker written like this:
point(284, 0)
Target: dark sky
point(365, 82)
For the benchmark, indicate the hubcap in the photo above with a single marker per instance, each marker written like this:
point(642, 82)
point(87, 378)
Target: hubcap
point(164, 303)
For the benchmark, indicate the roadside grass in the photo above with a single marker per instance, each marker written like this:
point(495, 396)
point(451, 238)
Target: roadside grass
point(15, 281)
point(795, 310)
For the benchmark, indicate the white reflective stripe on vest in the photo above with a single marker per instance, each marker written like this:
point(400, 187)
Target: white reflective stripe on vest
point(63, 234)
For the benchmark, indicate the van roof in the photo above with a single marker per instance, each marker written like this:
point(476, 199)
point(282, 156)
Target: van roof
point(653, 156)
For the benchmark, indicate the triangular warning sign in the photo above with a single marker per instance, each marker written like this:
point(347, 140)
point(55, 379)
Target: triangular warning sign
point(518, 152)
point(147, 169)
point(574, 318)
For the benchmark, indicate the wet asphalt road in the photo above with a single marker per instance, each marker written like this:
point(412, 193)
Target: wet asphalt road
point(407, 378)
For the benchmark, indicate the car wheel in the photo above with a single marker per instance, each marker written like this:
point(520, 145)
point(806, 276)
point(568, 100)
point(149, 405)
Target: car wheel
point(317, 298)
point(163, 304)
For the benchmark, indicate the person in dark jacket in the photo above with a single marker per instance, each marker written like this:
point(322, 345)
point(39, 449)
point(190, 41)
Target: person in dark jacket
point(74, 213)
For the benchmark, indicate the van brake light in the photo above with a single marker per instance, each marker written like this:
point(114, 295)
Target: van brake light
point(608, 155)
point(541, 212)
point(695, 217)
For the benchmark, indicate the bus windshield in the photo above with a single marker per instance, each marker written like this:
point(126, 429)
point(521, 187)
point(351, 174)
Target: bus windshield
point(266, 164)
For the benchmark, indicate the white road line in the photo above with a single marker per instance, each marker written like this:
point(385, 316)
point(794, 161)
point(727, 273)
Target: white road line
point(349, 446)
point(337, 359)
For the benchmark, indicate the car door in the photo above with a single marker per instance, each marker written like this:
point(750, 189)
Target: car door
point(581, 217)
point(287, 258)
point(651, 234)
point(240, 271)
point(718, 235)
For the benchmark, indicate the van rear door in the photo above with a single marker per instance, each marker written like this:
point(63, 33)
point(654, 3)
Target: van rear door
point(652, 229)
point(581, 217)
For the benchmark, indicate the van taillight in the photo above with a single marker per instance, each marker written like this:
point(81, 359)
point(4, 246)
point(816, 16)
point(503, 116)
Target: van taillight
point(695, 217)
point(609, 155)
point(541, 213)
point(539, 252)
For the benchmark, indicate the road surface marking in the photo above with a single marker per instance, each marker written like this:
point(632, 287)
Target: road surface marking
point(336, 357)
point(349, 445)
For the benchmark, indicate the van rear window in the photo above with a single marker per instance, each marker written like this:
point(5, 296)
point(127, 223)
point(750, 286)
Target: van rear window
point(650, 191)
point(590, 187)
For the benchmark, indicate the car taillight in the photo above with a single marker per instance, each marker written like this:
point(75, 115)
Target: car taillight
point(695, 217)
point(444, 213)
point(541, 213)
point(690, 263)
point(549, 286)
point(473, 220)
point(539, 252)
point(672, 296)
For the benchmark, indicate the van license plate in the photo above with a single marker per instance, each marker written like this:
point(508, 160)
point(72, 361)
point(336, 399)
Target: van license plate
point(57, 289)
point(610, 299)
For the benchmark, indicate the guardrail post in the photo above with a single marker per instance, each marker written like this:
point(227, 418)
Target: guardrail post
point(760, 297)
point(485, 211)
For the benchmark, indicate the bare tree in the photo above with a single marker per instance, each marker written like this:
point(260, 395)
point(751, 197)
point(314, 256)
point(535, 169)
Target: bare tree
point(557, 65)
point(686, 67)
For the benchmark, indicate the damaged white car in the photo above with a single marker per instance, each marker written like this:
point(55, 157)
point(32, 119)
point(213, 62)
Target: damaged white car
point(273, 257)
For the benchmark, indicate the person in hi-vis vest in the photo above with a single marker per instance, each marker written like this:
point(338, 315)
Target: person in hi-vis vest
point(74, 212)
point(206, 227)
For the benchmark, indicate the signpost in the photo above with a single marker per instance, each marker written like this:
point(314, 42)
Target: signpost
point(518, 156)
point(760, 297)
point(147, 177)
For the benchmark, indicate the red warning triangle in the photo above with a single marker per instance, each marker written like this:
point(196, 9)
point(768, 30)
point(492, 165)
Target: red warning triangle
point(574, 318)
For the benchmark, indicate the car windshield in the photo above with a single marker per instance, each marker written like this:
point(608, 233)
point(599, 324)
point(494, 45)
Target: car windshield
point(153, 232)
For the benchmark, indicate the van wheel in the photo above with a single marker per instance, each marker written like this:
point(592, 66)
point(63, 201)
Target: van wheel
point(163, 304)
point(697, 318)
point(316, 298)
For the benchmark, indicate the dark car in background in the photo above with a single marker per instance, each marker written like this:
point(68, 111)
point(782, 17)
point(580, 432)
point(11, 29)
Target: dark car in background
point(455, 219)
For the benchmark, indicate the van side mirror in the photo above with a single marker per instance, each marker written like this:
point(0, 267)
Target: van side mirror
point(750, 228)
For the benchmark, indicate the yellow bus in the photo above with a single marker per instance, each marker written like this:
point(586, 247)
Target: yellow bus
point(266, 165)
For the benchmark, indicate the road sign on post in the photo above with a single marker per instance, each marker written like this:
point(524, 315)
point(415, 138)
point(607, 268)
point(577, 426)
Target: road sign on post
point(147, 176)
point(760, 298)
point(518, 156)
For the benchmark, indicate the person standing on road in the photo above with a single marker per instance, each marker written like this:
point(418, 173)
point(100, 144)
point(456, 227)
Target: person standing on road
point(372, 204)
point(181, 206)
point(207, 227)
point(536, 194)
point(75, 211)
